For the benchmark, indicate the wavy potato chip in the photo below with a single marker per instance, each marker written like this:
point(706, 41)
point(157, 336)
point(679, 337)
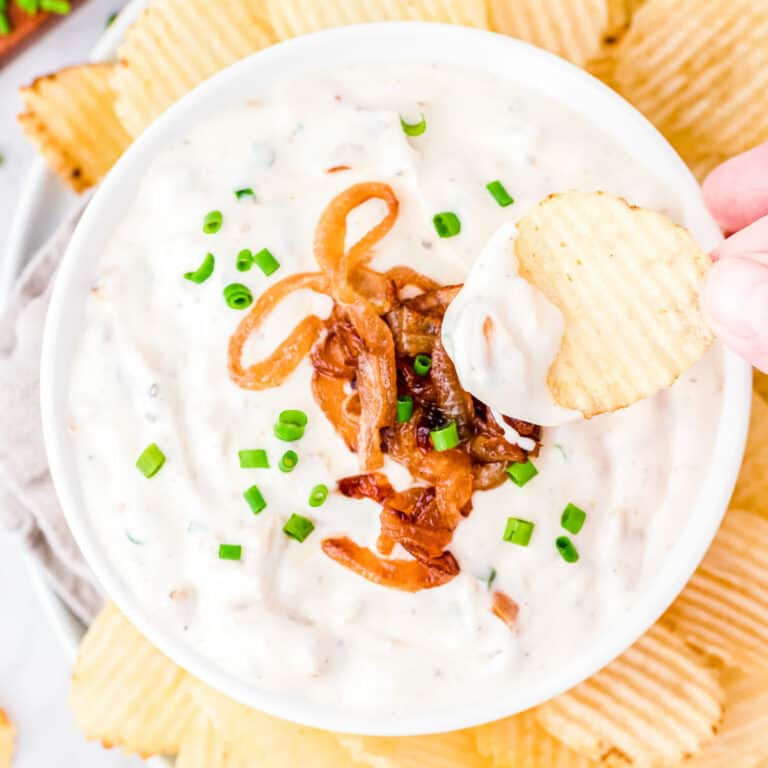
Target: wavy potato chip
point(572, 29)
point(627, 283)
point(203, 747)
point(71, 119)
point(176, 44)
point(656, 704)
point(520, 742)
point(127, 694)
point(7, 736)
point(723, 610)
point(751, 492)
point(291, 18)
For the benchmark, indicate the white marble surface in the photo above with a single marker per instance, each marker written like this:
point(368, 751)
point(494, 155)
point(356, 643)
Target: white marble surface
point(34, 667)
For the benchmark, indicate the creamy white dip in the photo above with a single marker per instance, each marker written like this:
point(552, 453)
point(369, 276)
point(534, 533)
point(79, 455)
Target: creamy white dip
point(152, 367)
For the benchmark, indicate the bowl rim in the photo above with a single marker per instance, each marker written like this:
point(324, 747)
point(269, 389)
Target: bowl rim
point(468, 49)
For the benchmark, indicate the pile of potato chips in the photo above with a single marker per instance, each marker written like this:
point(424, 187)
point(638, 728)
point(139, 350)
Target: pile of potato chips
point(694, 689)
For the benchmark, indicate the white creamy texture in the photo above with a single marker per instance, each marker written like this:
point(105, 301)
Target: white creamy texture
point(503, 334)
point(151, 367)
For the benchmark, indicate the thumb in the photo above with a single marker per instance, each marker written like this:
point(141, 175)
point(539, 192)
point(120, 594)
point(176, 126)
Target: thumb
point(734, 299)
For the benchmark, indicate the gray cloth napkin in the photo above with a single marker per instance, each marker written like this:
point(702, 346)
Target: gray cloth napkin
point(29, 507)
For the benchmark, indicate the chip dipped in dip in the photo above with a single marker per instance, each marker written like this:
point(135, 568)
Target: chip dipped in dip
point(342, 519)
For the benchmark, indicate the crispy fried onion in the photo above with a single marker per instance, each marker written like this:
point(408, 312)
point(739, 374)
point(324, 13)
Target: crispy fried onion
point(362, 359)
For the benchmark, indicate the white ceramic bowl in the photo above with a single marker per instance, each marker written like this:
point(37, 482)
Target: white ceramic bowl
point(382, 44)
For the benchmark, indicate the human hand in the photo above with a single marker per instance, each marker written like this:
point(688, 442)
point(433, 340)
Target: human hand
point(735, 293)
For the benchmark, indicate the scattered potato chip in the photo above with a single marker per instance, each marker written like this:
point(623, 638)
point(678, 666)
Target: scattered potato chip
point(627, 283)
point(291, 18)
point(520, 742)
point(203, 747)
point(70, 117)
point(760, 384)
point(176, 44)
point(656, 704)
point(752, 486)
point(723, 610)
point(698, 69)
point(619, 18)
point(447, 750)
point(125, 693)
point(572, 29)
point(7, 734)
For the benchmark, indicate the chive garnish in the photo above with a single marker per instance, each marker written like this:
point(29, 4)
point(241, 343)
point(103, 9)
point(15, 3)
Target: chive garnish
point(499, 193)
point(573, 518)
point(203, 272)
point(566, 549)
point(404, 408)
point(230, 551)
point(298, 527)
point(518, 531)
point(318, 495)
point(288, 461)
point(290, 425)
point(5, 29)
point(59, 7)
point(266, 262)
point(111, 19)
point(414, 129)
point(446, 438)
point(212, 222)
point(244, 192)
point(238, 296)
point(293, 416)
point(151, 460)
point(447, 224)
point(244, 260)
point(422, 364)
point(29, 6)
point(255, 499)
point(253, 459)
point(521, 472)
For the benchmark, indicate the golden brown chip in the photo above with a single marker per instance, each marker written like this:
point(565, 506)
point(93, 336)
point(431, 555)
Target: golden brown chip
point(127, 694)
point(752, 486)
point(291, 18)
point(698, 69)
point(176, 44)
point(619, 18)
point(627, 283)
point(654, 705)
point(742, 739)
point(760, 384)
point(572, 29)
point(70, 117)
point(7, 735)
point(723, 611)
point(203, 747)
point(520, 742)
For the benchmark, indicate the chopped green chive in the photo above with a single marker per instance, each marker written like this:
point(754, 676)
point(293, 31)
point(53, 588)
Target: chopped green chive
point(203, 272)
point(111, 19)
point(29, 6)
point(290, 425)
point(244, 260)
point(212, 222)
point(244, 192)
point(414, 129)
point(150, 461)
point(404, 408)
point(255, 499)
point(5, 24)
point(253, 459)
point(446, 438)
point(573, 518)
point(422, 364)
point(447, 224)
point(133, 539)
point(318, 495)
point(238, 296)
point(60, 7)
point(521, 472)
point(288, 461)
point(230, 551)
point(266, 262)
point(518, 531)
point(566, 549)
point(491, 577)
point(295, 416)
point(499, 193)
point(298, 527)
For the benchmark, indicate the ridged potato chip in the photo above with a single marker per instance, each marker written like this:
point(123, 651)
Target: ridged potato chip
point(176, 44)
point(572, 29)
point(127, 694)
point(627, 283)
point(7, 735)
point(742, 739)
point(70, 117)
point(658, 703)
point(751, 491)
point(291, 18)
point(698, 70)
point(723, 610)
point(203, 747)
point(520, 742)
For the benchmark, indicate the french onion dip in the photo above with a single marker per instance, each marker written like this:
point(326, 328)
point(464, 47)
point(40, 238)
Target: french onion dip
point(563, 527)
